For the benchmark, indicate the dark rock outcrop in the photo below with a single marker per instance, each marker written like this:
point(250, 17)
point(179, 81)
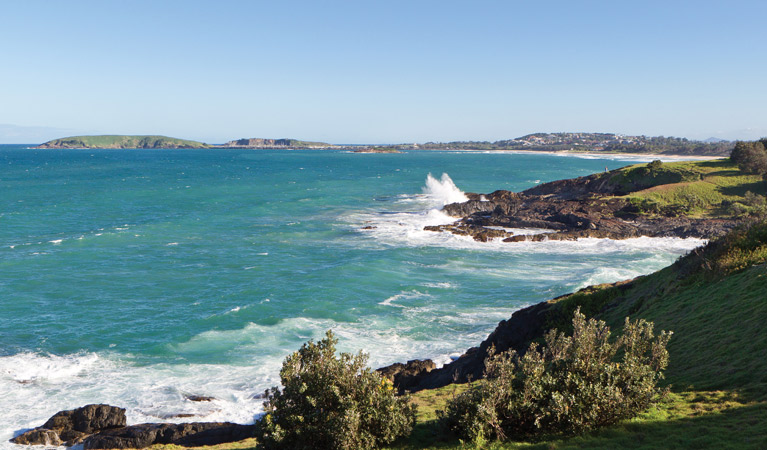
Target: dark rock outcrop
point(407, 376)
point(184, 434)
point(88, 419)
point(104, 426)
point(479, 233)
point(72, 426)
point(199, 398)
point(515, 333)
point(38, 436)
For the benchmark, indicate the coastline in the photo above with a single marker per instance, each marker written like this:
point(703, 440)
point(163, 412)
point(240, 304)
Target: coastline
point(593, 155)
point(496, 321)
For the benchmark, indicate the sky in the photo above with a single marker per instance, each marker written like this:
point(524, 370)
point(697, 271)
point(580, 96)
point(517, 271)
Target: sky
point(381, 72)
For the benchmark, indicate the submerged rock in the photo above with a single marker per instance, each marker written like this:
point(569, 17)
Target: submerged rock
point(199, 398)
point(38, 436)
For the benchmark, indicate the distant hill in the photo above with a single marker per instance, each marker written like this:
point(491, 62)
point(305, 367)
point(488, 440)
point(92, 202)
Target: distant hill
point(588, 142)
point(122, 141)
point(274, 143)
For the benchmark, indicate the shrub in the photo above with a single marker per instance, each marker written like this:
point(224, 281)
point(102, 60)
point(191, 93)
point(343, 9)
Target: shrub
point(571, 385)
point(751, 157)
point(330, 402)
point(754, 200)
point(654, 165)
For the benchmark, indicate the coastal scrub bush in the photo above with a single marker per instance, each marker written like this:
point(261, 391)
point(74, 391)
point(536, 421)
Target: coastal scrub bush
point(330, 402)
point(751, 157)
point(571, 385)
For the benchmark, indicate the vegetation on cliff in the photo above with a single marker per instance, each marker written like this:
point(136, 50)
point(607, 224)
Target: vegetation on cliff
point(715, 300)
point(122, 141)
point(706, 189)
point(751, 157)
point(571, 385)
point(329, 402)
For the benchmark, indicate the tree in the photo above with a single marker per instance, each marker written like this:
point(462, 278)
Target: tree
point(330, 402)
point(751, 157)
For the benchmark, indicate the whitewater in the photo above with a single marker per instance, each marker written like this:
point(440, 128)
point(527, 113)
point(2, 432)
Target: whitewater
point(140, 278)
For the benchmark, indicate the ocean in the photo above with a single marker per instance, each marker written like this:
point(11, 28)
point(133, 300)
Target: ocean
point(140, 277)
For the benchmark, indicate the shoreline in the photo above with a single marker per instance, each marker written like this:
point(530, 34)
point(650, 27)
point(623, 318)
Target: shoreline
point(592, 154)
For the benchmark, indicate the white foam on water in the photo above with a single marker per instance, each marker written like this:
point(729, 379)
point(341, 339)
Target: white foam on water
point(609, 275)
point(413, 294)
point(403, 226)
point(443, 285)
point(406, 229)
point(33, 387)
point(443, 191)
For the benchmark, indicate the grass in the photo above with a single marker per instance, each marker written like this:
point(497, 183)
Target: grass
point(694, 188)
point(684, 420)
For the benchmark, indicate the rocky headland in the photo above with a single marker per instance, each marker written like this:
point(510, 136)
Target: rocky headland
point(618, 204)
point(261, 143)
point(595, 206)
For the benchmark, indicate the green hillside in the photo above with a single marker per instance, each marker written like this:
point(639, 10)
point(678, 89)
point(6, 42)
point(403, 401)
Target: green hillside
point(122, 141)
point(715, 188)
point(715, 301)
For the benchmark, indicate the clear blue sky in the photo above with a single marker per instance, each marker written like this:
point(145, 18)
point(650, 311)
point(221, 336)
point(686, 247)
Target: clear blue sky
point(383, 72)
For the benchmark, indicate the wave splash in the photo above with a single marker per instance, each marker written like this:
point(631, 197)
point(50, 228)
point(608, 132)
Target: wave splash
point(443, 191)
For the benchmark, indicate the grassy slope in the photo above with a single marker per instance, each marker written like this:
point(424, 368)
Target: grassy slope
point(718, 368)
point(699, 187)
point(123, 141)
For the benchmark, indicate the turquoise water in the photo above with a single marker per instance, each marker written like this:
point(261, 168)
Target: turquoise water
point(138, 277)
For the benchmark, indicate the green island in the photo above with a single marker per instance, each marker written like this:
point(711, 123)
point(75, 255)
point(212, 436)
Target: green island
point(122, 141)
point(259, 143)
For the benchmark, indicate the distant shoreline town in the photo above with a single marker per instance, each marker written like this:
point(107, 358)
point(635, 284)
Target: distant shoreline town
point(541, 142)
